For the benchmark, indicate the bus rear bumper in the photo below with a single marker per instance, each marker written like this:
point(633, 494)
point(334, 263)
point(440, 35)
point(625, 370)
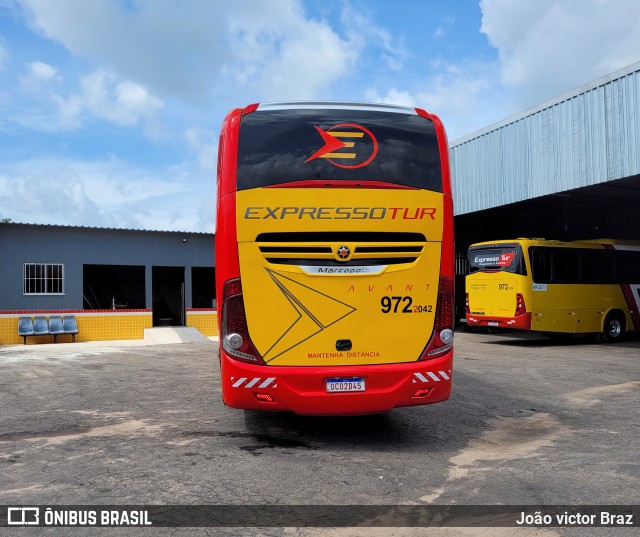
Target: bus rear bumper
point(521, 322)
point(303, 390)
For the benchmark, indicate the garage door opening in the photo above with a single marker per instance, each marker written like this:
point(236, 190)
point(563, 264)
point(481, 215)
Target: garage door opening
point(168, 296)
point(111, 287)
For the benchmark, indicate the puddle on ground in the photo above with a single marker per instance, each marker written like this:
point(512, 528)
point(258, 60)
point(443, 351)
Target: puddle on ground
point(266, 441)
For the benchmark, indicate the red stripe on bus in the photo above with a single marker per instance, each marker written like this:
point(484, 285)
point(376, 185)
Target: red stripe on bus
point(632, 305)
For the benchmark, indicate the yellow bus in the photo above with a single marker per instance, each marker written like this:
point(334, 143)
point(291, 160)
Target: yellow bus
point(334, 258)
point(581, 287)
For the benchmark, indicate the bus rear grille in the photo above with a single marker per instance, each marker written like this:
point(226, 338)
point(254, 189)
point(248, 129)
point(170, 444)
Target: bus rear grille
point(332, 263)
point(319, 248)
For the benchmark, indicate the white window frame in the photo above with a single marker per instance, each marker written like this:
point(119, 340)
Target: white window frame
point(45, 278)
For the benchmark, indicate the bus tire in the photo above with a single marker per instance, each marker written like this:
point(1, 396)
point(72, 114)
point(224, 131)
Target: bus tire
point(614, 327)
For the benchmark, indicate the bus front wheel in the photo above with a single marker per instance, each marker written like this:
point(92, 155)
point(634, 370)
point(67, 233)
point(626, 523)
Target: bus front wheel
point(614, 327)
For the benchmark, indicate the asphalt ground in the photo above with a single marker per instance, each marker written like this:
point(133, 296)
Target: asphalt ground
point(530, 421)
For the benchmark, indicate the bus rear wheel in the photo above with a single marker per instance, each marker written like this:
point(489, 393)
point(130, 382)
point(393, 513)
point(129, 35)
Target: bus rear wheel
point(614, 327)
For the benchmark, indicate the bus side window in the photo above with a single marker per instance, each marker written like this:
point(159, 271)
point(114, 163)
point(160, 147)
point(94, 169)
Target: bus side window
point(627, 266)
point(597, 266)
point(541, 265)
point(566, 266)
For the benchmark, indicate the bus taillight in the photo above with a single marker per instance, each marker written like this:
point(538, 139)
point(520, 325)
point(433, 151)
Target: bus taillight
point(466, 303)
point(235, 334)
point(521, 309)
point(442, 339)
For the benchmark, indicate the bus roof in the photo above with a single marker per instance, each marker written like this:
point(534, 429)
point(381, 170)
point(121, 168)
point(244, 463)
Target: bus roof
point(336, 105)
point(534, 241)
point(611, 241)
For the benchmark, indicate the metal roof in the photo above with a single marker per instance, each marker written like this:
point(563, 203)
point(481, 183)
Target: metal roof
point(585, 137)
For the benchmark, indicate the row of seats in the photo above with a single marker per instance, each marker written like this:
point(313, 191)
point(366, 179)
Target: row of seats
point(43, 326)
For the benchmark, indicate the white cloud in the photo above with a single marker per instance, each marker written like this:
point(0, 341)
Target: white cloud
point(49, 106)
point(100, 95)
point(363, 32)
point(547, 47)
point(463, 96)
point(188, 49)
point(108, 192)
point(32, 199)
point(174, 48)
point(284, 55)
point(205, 144)
point(38, 74)
point(40, 71)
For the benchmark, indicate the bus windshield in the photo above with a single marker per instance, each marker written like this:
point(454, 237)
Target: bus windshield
point(284, 146)
point(506, 259)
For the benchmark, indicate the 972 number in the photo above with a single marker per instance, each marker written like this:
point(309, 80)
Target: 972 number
point(394, 303)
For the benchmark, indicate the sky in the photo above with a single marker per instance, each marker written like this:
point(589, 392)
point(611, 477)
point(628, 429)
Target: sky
point(110, 110)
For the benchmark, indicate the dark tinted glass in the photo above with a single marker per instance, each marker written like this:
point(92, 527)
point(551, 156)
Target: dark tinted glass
point(541, 264)
point(627, 266)
point(597, 266)
point(572, 265)
point(566, 266)
point(282, 146)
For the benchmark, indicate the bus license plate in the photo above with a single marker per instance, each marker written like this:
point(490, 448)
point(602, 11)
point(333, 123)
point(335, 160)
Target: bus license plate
point(345, 385)
point(492, 323)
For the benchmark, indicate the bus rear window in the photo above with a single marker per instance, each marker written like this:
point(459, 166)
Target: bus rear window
point(495, 259)
point(283, 146)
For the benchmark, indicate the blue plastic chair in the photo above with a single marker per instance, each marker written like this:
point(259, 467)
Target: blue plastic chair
point(25, 327)
point(40, 326)
point(55, 326)
point(70, 326)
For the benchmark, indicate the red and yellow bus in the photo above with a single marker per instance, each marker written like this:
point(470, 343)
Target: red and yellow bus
point(555, 287)
point(334, 258)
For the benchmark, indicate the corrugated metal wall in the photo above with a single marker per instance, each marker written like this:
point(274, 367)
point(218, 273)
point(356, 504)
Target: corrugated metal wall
point(583, 138)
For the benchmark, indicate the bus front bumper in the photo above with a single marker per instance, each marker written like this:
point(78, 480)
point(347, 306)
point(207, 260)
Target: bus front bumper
point(303, 390)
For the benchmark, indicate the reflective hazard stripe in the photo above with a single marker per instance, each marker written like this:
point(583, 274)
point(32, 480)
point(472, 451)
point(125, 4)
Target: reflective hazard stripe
point(239, 382)
point(267, 382)
point(432, 376)
point(245, 382)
